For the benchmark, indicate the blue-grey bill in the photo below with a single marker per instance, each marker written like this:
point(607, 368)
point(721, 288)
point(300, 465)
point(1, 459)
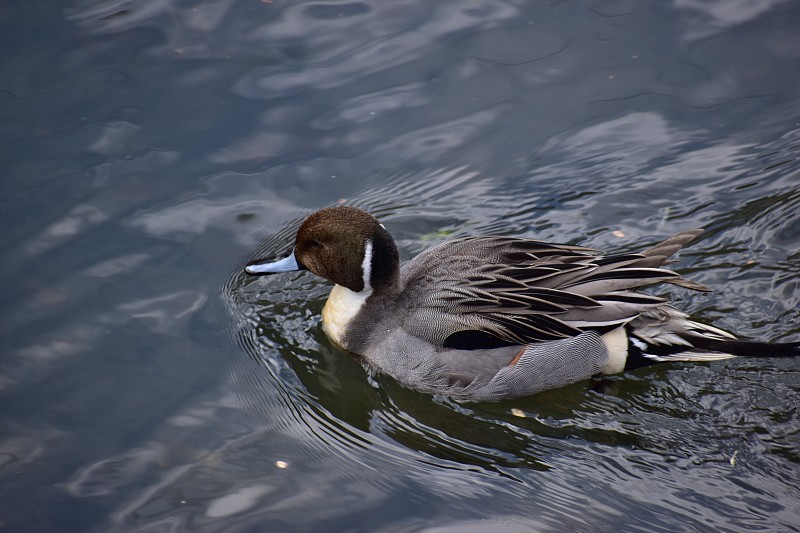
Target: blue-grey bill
point(287, 264)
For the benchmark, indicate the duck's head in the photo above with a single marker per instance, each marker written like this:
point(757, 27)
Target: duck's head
point(343, 244)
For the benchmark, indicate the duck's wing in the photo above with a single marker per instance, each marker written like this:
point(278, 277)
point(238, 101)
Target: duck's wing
point(485, 292)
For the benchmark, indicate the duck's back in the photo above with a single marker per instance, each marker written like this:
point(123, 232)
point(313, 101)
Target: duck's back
point(486, 292)
point(494, 317)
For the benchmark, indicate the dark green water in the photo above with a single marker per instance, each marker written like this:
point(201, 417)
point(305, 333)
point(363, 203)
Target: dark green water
point(148, 149)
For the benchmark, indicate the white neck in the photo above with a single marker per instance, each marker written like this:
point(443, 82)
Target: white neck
point(343, 304)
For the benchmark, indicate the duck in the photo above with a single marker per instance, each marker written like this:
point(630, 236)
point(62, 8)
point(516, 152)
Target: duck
point(489, 318)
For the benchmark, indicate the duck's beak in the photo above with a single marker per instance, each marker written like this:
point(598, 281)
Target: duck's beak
point(260, 267)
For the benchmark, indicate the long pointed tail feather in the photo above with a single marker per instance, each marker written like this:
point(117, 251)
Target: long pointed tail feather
point(750, 348)
point(703, 349)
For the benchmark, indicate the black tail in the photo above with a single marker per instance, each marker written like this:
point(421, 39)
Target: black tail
point(702, 349)
point(749, 348)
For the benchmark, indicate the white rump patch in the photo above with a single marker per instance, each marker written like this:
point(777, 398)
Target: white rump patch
point(616, 342)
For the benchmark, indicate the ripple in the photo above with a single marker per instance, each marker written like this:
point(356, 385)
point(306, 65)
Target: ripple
point(373, 48)
point(150, 149)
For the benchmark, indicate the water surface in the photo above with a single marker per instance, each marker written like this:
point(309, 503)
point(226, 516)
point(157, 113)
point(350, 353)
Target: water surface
point(148, 150)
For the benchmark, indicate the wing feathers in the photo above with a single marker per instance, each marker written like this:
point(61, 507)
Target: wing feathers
point(517, 291)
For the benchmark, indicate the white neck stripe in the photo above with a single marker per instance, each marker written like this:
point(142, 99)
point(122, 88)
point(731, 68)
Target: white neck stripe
point(343, 304)
point(366, 265)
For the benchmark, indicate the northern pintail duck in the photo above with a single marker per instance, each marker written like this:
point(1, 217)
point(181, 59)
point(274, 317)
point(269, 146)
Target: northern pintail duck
point(489, 318)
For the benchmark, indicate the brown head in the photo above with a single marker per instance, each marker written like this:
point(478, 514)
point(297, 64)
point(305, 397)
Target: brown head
point(343, 244)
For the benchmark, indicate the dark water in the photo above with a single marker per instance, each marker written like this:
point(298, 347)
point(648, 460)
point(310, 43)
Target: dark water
point(148, 149)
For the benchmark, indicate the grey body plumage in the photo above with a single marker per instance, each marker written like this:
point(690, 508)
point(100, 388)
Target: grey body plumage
point(488, 318)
